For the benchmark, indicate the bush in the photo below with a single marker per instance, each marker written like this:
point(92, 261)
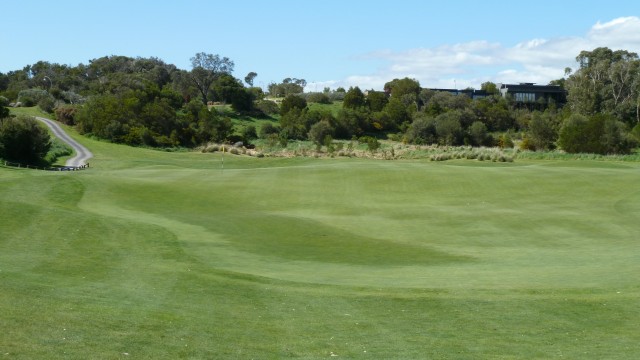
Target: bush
point(598, 134)
point(319, 131)
point(320, 98)
point(268, 129)
point(32, 97)
point(249, 133)
point(66, 114)
point(47, 104)
point(23, 140)
point(372, 143)
point(58, 149)
point(292, 102)
point(505, 142)
point(422, 130)
point(267, 107)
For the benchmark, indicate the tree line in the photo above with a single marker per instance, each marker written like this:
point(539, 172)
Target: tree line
point(145, 101)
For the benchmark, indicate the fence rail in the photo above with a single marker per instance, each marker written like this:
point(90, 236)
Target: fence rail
point(56, 168)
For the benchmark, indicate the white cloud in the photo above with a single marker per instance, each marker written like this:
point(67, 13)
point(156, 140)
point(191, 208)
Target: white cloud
point(471, 63)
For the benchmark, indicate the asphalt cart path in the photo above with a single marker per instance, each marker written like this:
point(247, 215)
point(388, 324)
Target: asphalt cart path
point(82, 153)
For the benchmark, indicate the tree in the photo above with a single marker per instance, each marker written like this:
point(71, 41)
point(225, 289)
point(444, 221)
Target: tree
point(291, 102)
point(399, 87)
point(397, 112)
point(242, 100)
point(4, 112)
point(206, 68)
point(23, 140)
point(288, 86)
point(376, 100)
point(599, 134)
point(448, 128)
point(354, 98)
point(224, 88)
point(293, 124)
point(478, 133)
point(249, 133)
point(249, 78)
point(606, 82)
point(490, 88)
point(320, 98)
point(542, 131)
point(422, 130)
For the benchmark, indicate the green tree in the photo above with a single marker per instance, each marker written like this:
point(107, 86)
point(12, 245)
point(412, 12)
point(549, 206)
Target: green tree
point(225, 88)
point(320, 98)
point(448, 128)
point(376, 100)
point(542, 132)
point(351, 122)
point(422, 130)
point(4, 112)
point(354, 98)
point(249, 133)
point(288, 86)
point(242, 100)
point(490, 88)
point(268, 129)
point(23, 140)
point(206, 68)
point(250, 77)
point(399, 87)
point(397, 112)
point(291, 102)
point(599, 134)
point(478, 133)
point(606, 82)
point(293, 124)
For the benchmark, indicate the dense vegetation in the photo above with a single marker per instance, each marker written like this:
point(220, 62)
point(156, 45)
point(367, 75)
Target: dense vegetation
point(144, 101)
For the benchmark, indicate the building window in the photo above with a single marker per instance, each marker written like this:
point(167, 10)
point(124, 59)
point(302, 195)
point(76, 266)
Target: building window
point(525, 97)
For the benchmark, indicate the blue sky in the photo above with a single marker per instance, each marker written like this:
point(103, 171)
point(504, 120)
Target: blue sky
point(329, 43)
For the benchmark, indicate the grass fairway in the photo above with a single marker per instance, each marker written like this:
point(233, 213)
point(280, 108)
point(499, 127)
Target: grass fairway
point(151, 255)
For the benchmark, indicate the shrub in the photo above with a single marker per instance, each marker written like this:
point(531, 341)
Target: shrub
point(66, 114)
point(57, 150)
point(505, 142)
point(422, 130)
point(22, 139)
point(46, 104)
point(32, 97)
point(292, 102)
point(598, 134)
point(372, 143)
point(478, 133)
point(268, 129)
point(249, 133)
point(320, 98)
point(319, 131)
point(267, 107)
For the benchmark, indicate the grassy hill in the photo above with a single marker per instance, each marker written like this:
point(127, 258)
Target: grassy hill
point(154, 255)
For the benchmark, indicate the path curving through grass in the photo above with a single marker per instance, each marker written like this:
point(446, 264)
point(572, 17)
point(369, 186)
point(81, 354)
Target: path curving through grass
point(82, 153)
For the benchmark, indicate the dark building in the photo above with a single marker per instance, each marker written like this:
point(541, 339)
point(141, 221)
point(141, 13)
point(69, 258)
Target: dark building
point(472, 93)
point(531, 93)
